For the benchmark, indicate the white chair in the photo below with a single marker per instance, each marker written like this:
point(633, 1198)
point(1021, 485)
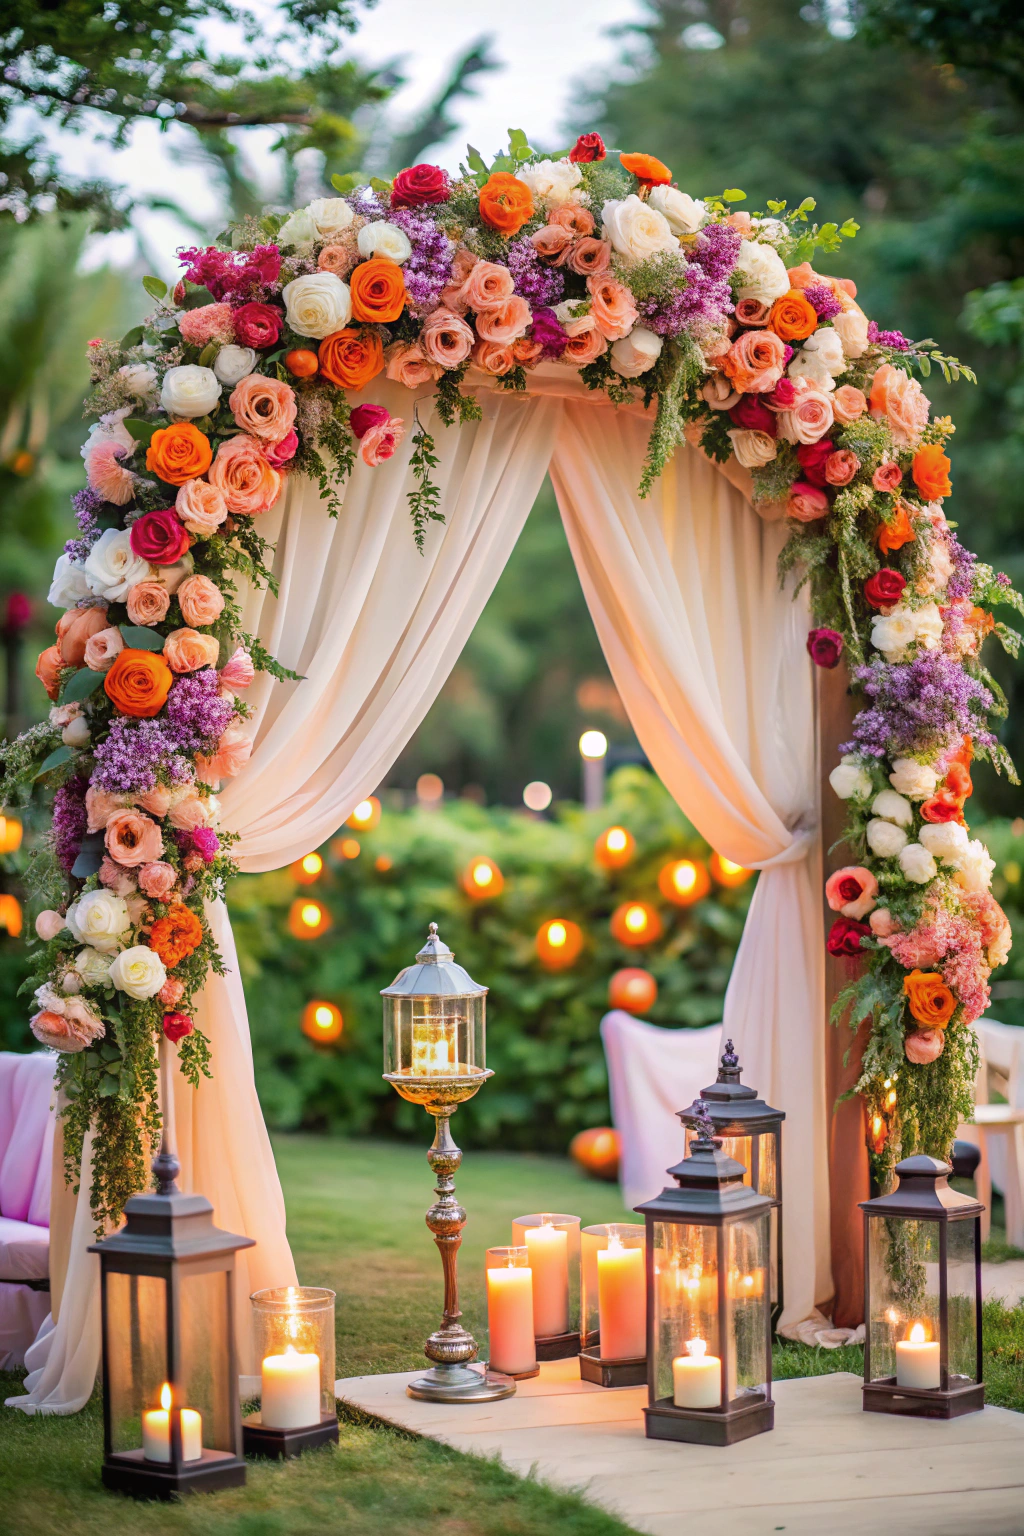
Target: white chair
point(26, 1149)
point(998, 1129)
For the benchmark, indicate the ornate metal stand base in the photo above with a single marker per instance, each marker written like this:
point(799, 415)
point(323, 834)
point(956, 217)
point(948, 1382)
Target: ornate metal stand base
point(258, 1439)
point(887, 1397)
point(611, 1373)
point(461, 1384)
point(559, 1346)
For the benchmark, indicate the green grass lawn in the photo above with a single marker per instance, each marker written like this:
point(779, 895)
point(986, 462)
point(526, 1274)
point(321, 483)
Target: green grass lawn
point(356, 1224)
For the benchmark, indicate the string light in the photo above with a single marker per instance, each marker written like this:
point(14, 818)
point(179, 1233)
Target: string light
point(558, 943)
point(593, 745)
point(614, 848)
point(10, 834)
point(308, 869)
point(366, 815)
point(307, 919)
point(10, 914)
point(482, 879)
point(636, 923)
point(537, 795)
point(684, 882)
point(727, 873)
point(322, 1021)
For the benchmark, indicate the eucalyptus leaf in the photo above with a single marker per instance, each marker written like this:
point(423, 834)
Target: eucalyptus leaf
point(141, 639)
point(155, 287)
point(58, 756)
point(131, 338)
point(82, 686)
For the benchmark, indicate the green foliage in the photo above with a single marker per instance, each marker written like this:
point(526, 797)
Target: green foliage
point(425, 499)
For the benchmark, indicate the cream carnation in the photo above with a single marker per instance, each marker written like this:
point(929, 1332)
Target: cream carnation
point(632, 355)
point(917, 864)
point(93, 966)
point(190, 391)
point(382, 238)
point(852, 329)
point(98, 918)
point(893, 807)
point(822, 352)
point(947, 840)
point(884, 839)
point(330, 216)
point(317, 304)
point(850, 779)
point(139, 971)
point(139, 379)
point(112, 567)
point(975, 867)
point(913, 778)
point(552, 182)
point(893, 632)
point(637, 230)
point(684, 214)
point(762, 273)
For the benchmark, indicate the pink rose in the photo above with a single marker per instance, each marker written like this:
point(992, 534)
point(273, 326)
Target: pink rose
point(446, 339)
point(201, 601)
point(159, 537)
point(585, 342)
point(132, 838)
point(612, 307)
point(784, 395)
point(899, 400)
point(157, 801)
point(882, 922)
point(755, 362)
point(201, 507)
point(257, 325)
point(263, 407)
point(806, 503)
point(368, 415)
point(502, 323)
point(488, 286)
point(809, 418)
point(190, 813)
point(48, 925)
point(157, 880)
point(282, 453)
point(115, 878)
point(147, 602)
point(576, 218)
point(493, 359)
point(851, 891)
point(341, 258)
point(171, 992)
point(238, 671)
point(101, 649)
point(380, 442)
point(210, 322)
point(406, 363)
point(233, 752)
point(887, 476)
point(100, 805)
point(849, 404)
point(840, 467)
point(242, 474)
point(186, 650)
point(589, 257)
point(752, 312)
point(924, 1046)
point(552, 244)
point(106, 474)
point(453, 296)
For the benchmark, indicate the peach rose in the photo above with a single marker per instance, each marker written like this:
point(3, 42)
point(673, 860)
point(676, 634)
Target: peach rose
point(340, 259)
point(100, 805)
point(379, 442)
point(74, 629)
point(527, 352)
point(752, 312)
point(804, 276)
point(157, 880)
point(492, 358)
point(755, 362)
point(590, 257)
point(157, 801)
point(453, 294)
point(171, 992)
point(924, 1046)
point(115, 878)
point(502, 323)
point(241, 473)
point(488, 286)
point(201, 601)
point(190, 813)
point(263, 407)
point(719, 393)
point(147, 602)
point(201, 507)
point(848, 404)
point(102, 648)
point(48, 669)
point(574, 217)
point(806, 503)
point(132, 838)
point(841, 466)
point(186, 650)
point(406, 363)
point(900, 400)
point(887, 476)
point(809, 418)
point(612, 307)
point(446, 339)
point(233, 752)
point(552, 244)
point(585, 342)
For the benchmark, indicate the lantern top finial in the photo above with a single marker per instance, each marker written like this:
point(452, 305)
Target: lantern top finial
point(705, 1140)
point(729, 1068)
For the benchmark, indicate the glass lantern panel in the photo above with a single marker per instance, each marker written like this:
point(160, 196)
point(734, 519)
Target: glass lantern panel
point(137, 1365)
point(434, 1036)
point(746, 1282)
point(204, 1385)
point(903, 1277)
point(758, 1154)
point(685, 1301)
point(962, 1301)
point(295, 1319)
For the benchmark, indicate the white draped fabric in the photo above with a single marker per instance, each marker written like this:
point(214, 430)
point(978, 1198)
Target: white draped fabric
point(708, 656)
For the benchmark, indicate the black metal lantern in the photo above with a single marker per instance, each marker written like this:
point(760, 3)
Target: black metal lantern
point(922, 1296)
point(709, 1359)
point(171, 1417)
point(751, 1132)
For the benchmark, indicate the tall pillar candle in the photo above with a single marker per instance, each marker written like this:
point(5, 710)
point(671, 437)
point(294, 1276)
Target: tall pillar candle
point(548, 1248)
point(622, 1302)
point(510, 1320)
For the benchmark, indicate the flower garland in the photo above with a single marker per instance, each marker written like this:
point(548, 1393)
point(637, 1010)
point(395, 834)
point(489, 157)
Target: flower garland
point(241, 376)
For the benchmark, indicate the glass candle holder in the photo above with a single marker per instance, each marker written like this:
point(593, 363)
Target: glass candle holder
point(552, 1241)
point(613, 1303)
point(293, 1329)
point(510, 1312)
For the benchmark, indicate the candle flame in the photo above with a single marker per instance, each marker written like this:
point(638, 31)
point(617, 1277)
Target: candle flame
point(696, 1347)
point(916, 1335)
point(165, 1397)
point(614, 1243)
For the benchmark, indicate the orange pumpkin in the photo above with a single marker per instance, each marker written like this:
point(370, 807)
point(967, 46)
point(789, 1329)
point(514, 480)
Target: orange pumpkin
point(597, 1151)
point(632, 989)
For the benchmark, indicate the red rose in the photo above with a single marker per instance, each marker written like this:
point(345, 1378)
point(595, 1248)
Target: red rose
point(942, 807)
point(845, 936)
point(884, 588)
point(257, 325)
point(812, 457)
point(588, 147)
point(366, 416)
point(177, 1026)
point(159, 537)
point(825, 646)
point(751, 413)
point(419, 184)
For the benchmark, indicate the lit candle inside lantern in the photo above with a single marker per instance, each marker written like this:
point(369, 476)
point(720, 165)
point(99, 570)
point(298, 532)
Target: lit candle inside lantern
point(510, 1319)
point(621, 1302)
point(434, 1048)
point(156, 1431)
point(697, 1377)
point(917, 1360)
point(548, 1248)
point(291, 1390)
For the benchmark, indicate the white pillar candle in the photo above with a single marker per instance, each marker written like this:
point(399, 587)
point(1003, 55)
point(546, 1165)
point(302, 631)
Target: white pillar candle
point(156, 1431)
point(510, 1319)
point(291, 1390)
point(697, 1377)
point(622, 1302)
point(917, 1361)
point(548, 1248)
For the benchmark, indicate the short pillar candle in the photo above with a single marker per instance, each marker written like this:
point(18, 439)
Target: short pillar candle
point(917, 1361)
point(697, 1377)
point(156, 1431)
point(291, 1390)
point(510, 1311)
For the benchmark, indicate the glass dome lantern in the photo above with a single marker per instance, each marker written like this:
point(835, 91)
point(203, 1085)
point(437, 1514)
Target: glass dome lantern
point(434, 1029)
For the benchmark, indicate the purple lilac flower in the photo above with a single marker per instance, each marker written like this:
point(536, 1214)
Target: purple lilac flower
point(128, 760)
point(961, 583)
point(894, 339)
point(430, 265)
point(536, 282)
point(823, 301)
point(196, 715)
point(549, 332)
point(86, 504)
point(716, 250)
point(1003, 580)
point(919, 705)
point(704, 301)
point(69, 821)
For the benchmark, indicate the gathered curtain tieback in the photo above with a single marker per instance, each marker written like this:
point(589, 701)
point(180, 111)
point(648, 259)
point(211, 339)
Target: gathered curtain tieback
point(803, 841)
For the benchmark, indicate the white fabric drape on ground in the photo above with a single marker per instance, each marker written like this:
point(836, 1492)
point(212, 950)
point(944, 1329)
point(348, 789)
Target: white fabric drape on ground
point(708, 655)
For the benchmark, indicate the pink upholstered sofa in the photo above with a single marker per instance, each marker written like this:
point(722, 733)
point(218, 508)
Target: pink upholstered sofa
point(26, 1149)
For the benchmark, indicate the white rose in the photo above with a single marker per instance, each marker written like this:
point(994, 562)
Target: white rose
point(190, 391)
point(917, 864)
point(633, 354)
point(928, 626)
point(566, 310)
point(850, 779)
point(893, 807)
point(172, 576)
point(317, 305)
point(76, 733)
point(884, 839)
point(109, 429)
point(139, 971)
point(812, 367)
point(298, 231)
point(551, 182)
point(892, 633)
point(113, 567)
point(636, 230)
point(232, 364)
point(940, 569)
point(752, 449)
point(382, 238)
point(330, 216)
point(912, 778)
point(69, 583)
point(140, 379)
point(93, 967)
point(852, 327)
point(945, 839)
point(976, 867)
point(685, 214)
point(826, 348)
point(762, 273)
point(98, 918)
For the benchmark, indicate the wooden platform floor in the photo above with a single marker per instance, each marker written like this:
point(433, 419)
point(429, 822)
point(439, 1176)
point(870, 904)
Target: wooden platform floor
point(827, 1468)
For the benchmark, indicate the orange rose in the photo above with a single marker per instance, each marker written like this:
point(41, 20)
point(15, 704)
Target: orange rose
point(138, 683)
point(894, 535)
point(646, 169)
point(178, 453)
point(505, 203)
point(175, 936)
point(351, 358)
point(931, 1001)
point(48, 669)
point(378, 291)
point(931, 472)
point(75, 628)
point(793, 317)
